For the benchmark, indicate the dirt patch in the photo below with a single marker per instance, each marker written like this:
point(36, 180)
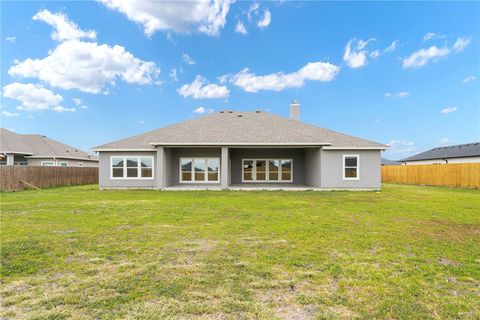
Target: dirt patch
point(448, 262)
point(296, 312)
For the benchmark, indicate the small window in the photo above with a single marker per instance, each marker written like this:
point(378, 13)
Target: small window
point(80, 164)
point(261, 170)
point(48, 164)
point(287, 170)
point(350, 167)
point(63, 164)
point(248, 170)
point(131, 167)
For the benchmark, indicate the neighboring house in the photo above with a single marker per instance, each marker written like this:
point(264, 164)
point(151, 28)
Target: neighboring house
point(235, 150)
point(386, 162)
point(38, 150)
point(462, 153)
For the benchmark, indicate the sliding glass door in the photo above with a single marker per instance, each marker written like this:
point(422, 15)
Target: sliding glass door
point(199, 170)
point(267, 170)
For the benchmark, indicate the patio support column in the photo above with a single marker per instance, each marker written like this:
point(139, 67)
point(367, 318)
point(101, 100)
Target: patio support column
point(224, 168)
point(160, 168)
point(10, 159)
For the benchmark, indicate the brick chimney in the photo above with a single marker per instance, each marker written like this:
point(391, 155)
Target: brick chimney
point(295, 110)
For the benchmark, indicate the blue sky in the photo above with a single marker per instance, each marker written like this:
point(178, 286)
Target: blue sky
point(87, 73)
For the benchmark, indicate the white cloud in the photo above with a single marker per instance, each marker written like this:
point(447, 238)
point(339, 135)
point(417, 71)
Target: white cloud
point(265, 21)
point(200, 89)
point(11, 39)
point(375, 54)
point(422, 57)
point(433, 35)
point(444, 141)
point(469, 78)
point(401, 94)
point(202, 110)
point(173, 74)
point(9, 114)
point(448, 110)
point(205, 16)
point(77, 101)
point(240, 28)
point(392, 47)
point(187, 59)
point(461, 44)
point(401, 147)
point(33, 97)
point(64, 28)
point(355, 54)
point(87, 66)
point(141, 122)
point(62, 109)
point(253, 9)
point(313, 71)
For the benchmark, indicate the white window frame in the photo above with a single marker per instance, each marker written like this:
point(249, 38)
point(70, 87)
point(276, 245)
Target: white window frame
point(80, 164)
point(46, 164)
point(344, 167)
point(193, 169)
point(61, 162)
point(139, 168)
point(267, 171)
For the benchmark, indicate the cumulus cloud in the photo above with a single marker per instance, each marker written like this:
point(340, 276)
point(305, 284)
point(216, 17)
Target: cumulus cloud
point(202, 110)
point(448, 110)
point(204, 16)
point(77, 101)
point(401, 147)
point(392, 47)
point(422, 57)
point(64, 29)
point(355, 54)
point(187, 59)
point(200, 89)
point(87, 66)
point(266, 19)
point(313, 71)
point(11, 39)
point(33, 97)
point(62, 109)
point(240, 28)
point(469, 78)
point(433, 35)
point(461, 44)
point(9, 114)
point(401, 94)
point(444, 141)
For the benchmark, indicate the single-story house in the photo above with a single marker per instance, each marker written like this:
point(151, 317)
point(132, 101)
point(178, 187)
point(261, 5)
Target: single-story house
point(461, 153)
point(241, 150)
point(38, 150)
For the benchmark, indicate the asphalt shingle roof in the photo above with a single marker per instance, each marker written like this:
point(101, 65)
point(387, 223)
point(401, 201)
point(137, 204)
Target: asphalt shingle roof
point(457, 151)
point(39, 146)
point(229, 127)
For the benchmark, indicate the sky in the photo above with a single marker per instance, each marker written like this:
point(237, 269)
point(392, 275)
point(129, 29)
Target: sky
point(87, 73)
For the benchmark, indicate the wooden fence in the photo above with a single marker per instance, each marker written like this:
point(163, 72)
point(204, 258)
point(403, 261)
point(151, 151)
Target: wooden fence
point(460, 175)
point(14, 178)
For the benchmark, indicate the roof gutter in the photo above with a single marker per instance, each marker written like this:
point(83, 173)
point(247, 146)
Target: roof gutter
point(266, 144)
point(356, 148)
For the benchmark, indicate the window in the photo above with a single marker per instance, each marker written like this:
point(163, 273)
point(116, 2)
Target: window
point(19, 160)
point(351, 167)
point(130, 167)
point(63, 164)
point(267, 170)
point(48, 163)
point(200, 170)
point(80, 164)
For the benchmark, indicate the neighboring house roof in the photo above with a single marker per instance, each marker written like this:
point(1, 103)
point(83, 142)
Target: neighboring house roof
point(38, 146)
point(386, 162)
point(457, 151)
point(241, 128)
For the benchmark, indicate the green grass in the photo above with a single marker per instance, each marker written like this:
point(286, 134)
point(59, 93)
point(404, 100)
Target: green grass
point(407, 252)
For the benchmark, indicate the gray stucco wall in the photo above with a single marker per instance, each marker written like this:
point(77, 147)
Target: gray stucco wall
point(298, 156)
point(71, 163)
point(332, 169)
point(313, 167)
point(104, 180)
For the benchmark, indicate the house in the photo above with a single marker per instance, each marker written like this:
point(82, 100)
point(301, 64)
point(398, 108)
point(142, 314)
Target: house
point(38, 150)
point(461, 153)
point(387, 162)
point(237, 150)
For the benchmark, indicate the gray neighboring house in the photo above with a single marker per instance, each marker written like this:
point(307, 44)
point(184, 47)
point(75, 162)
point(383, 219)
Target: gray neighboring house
point(241, 150)
point(38, 150)
point(461, 153)
point(387, 162)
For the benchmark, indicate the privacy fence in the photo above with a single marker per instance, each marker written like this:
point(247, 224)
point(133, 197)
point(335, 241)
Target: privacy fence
point(13, 178)
point(461, 175)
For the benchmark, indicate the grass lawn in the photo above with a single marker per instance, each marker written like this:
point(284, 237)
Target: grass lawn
point(406, 252)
